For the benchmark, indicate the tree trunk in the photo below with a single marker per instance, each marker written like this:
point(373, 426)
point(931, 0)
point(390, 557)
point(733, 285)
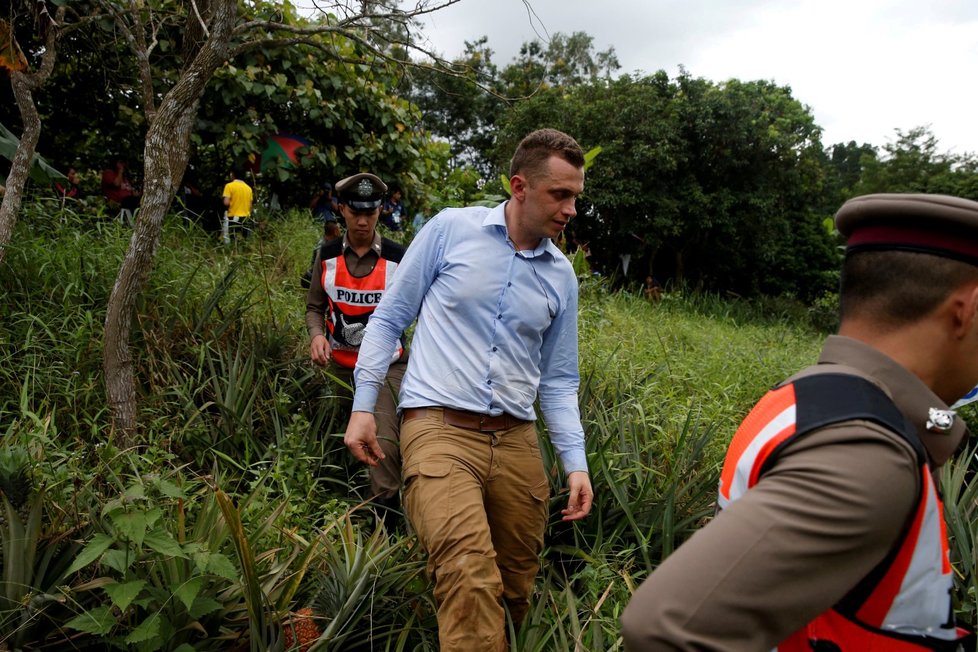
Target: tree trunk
point(24, 85)
point(20, 167)
point(680, 268)
point(165, 154)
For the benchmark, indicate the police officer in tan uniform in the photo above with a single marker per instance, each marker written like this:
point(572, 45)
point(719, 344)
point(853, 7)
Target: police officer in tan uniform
point(348, 278)
point(830, 535)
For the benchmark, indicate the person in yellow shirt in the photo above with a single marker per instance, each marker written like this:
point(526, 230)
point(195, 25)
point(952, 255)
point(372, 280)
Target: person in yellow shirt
point(237, 199)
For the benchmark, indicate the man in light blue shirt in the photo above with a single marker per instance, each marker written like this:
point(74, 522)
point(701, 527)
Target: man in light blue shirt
point(496, 303)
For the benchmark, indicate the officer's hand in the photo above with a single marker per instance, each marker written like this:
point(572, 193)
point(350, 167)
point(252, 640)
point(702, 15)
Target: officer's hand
point(581, 496)
point(361, 438)
point(319, 350)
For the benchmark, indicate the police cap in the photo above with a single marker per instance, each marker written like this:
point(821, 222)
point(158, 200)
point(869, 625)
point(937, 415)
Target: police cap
point(361, 192)
point(940, 225)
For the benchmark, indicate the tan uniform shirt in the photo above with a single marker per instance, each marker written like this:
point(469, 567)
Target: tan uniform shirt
point(316, 299)
point(831, 508)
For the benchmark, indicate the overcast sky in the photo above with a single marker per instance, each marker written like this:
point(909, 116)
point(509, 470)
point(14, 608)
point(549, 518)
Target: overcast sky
point(865, 67)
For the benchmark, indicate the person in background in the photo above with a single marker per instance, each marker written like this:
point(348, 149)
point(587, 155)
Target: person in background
point(392, 214)
point(324, 205)
point(652, 289)
point(496, 304)
point(117, 188)
point(331, 231)
point(238, 197)
point(350, 275)
point(68, 188)
point(830, 534)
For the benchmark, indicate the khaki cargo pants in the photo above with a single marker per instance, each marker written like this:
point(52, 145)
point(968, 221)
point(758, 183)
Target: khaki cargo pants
point(479, 504)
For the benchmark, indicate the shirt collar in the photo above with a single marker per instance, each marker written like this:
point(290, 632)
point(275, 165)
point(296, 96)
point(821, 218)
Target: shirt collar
point(497, 217)
point(375, 245)
point(908, 392)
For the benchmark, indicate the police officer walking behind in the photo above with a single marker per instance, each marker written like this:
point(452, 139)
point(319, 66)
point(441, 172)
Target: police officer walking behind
point(349, 277)
point(831, 532)
point(496, 303)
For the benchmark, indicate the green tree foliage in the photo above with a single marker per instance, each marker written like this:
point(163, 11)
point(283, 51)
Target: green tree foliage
point(706, 183)
point(913, 163)
point(562, 61)
point(349, 114)
point(343, 103)
point(175, 48)
point(461, 102)
point(843, 164)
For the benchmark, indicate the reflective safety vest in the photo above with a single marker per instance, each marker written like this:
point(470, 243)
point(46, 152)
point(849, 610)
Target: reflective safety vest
point(902, 605)
point(350, 302)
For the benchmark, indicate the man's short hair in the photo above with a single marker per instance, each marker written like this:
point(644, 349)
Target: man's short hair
point(537, 147)
point(896, 288)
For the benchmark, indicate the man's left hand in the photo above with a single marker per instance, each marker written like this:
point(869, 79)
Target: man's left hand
point(581, 496)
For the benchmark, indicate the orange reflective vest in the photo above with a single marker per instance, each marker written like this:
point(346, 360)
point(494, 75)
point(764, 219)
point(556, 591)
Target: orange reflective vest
point(352, 300)
point(902, 605)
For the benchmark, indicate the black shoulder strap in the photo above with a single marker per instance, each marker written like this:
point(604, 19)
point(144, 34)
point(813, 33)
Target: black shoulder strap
point(330, 249)
point(390, 250)
point(824, 399)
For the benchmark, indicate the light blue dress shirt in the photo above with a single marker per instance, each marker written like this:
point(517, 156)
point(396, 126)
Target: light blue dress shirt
point(496, 327)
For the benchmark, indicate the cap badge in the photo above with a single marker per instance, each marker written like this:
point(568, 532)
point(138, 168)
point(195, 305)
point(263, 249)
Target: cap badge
point(940, 420)
point(365, 188)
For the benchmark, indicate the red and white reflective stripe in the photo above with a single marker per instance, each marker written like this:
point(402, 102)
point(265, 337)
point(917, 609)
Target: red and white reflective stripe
point(767, 426)
point(912, 599)
point(924, 574)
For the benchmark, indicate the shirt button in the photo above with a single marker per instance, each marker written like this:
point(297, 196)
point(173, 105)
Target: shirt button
point(493, 349)
point(509, 285)
point(489, 382)
point(499, 316)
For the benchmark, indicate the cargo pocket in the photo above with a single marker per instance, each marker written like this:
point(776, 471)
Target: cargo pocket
point(427, 493)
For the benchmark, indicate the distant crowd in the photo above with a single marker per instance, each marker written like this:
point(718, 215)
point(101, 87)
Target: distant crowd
point(233, 217)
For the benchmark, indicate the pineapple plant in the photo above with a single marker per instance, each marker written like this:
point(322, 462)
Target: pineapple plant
point(16, 481)
point(301, 630)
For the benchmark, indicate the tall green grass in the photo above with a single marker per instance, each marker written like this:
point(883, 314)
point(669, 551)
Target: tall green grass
point(241, 462)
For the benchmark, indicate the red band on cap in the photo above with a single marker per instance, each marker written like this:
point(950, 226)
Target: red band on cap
point(940, 243)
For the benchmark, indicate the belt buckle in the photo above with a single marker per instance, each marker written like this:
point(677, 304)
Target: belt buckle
point(482, 422)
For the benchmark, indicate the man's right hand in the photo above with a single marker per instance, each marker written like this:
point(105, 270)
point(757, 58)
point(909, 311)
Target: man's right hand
point(361, 438)
point(319, 350)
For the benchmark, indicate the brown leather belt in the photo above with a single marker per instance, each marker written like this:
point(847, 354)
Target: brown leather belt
point(465, 419)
